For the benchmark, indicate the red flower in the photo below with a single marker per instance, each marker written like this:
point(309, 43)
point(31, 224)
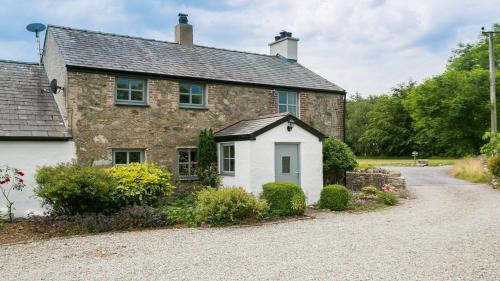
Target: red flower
point(7, 179)
point(21, 180)
point(20, 173)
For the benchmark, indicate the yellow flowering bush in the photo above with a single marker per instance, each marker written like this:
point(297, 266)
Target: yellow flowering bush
point(141, 183)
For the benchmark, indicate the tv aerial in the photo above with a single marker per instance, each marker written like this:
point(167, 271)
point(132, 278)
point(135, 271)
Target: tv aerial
point(37, 28)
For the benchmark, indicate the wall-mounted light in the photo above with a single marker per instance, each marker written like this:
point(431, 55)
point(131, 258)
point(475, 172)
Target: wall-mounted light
point(290, 124)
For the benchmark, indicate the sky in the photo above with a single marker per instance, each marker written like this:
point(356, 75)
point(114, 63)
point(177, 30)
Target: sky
point(364, 46)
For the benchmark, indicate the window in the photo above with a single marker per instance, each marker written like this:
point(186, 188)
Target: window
point(130, 91)
point(227, 157)
point(191, 95)
point(187, 162)
point(287, 102)
point(124, 157)
point(285, 165)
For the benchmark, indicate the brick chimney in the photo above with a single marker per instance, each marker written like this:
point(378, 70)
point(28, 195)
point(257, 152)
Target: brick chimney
point(184, 31)
point(284, 45)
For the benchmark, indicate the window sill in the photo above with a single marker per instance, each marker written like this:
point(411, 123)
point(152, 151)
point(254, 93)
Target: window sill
point(227, 174)
point(193, 107)
point(131, 104)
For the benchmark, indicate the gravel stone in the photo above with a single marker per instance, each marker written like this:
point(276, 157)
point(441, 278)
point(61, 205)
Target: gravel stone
point(449, 231)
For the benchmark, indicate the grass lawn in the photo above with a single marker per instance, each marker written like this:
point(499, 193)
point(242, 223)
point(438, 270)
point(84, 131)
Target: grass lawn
point(371, 162)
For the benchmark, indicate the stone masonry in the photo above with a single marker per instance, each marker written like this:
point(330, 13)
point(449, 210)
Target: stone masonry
point(160, 128)
point(359, 178)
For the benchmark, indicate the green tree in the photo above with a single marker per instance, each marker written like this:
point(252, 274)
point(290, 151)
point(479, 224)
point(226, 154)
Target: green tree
point(207, 149)
point(207, 159)
point(389, 131)
point(357, 122)
point(337, 159)
point(451, 112)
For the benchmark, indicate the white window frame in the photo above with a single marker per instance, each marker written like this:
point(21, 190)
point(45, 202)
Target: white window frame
point(129, 101)
point(141, 151)
point(221, 159)
point(192, 172)
point(192, 105)
point(287, 104)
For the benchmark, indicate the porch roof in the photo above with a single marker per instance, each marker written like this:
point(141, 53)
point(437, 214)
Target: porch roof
point(249, 129)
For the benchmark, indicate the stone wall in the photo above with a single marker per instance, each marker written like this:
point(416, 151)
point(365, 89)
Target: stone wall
point(160, 128)
point(324, 112)
point(359, 178)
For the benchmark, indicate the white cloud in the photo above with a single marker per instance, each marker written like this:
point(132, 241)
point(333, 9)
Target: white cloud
point(365, 46)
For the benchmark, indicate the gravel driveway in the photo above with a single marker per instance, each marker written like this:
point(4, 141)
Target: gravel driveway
point(451, 231)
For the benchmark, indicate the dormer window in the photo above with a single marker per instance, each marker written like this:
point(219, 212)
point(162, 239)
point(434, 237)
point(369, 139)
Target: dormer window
point(130, 91)
point(192, 95)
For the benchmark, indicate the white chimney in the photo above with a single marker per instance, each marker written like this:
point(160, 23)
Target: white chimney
point(284, 45)
point(184, 31)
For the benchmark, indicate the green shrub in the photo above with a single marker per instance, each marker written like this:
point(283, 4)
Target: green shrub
point(125, 219)
point(492, 146)
point(299, 204)
point(494, 165)
point(387, 198)
point(284, 198)
point(182, 210)
point(337, 159)
point(229, 205)
point(138, 217)
point(334, 197)
point(73, 189)
point(370, 189)
point(141, 183)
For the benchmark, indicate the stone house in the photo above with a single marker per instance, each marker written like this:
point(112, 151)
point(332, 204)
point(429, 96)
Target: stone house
point(125, 99)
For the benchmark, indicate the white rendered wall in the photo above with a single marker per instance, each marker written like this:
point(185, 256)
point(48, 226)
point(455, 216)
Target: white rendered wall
point(241, 163)
point(260, 156)
point(28, 156)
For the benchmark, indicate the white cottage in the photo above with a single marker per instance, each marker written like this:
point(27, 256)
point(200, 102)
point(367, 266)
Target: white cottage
point(278, 147)
point(32, 131)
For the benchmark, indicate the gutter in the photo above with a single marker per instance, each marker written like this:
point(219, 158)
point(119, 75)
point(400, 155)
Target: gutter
point(34, 138)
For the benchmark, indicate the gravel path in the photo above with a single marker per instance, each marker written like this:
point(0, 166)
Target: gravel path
point(451, 231)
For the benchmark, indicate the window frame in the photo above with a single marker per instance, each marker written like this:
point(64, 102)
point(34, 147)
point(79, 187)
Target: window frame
point(221, 159)
point(287, 104)
point(203, 95)
point(129, 101)
point(192, 175)
point(141, 151)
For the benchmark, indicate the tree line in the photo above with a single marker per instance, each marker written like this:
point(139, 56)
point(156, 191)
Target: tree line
point(445, 115)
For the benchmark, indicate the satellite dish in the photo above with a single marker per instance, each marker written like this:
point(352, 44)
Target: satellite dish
point(53, 86)
point(35, 27)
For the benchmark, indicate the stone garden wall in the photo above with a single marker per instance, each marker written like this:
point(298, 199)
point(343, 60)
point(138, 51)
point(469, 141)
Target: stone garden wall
point(359, 178)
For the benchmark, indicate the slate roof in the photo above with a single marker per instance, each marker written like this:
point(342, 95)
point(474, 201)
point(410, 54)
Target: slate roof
point(26, 112)
point(249, 129)
point(97, 50)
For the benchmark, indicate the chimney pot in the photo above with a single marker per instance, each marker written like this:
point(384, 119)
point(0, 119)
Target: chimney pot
point(183, 18)
point(184, 31)
point(284, 45)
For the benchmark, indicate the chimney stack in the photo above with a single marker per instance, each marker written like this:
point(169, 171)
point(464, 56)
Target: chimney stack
point(284, 45)
point(184, 31)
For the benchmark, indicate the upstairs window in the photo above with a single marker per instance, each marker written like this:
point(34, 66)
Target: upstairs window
point(187, 162)
point(130, 91)
point(227, 158)
point(124, 157)
point(287, 102)
point(191, 95)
